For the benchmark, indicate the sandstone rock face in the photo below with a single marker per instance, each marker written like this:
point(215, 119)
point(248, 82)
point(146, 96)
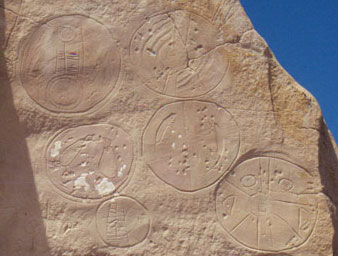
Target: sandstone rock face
point(143, 127)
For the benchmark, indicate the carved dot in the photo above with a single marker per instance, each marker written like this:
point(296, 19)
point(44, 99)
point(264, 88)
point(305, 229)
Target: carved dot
point(199, 47)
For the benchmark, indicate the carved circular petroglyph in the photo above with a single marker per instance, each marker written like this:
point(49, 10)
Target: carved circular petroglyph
point(190, 144)
point(177, 55)
point(122, 222)
point(89, 162)
point(267, 204)
point(69, 64)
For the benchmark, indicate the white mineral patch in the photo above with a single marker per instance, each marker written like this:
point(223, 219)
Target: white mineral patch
point(55, 151)
point(81, 182)
point(105, 187)
point(173, 145)
point(120, 173)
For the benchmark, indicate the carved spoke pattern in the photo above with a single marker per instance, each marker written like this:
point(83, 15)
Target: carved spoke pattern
point(122, 222)
point(267, 204)
point(90, 162)
point(190, 144)
point(175, 56)
point(69, 64)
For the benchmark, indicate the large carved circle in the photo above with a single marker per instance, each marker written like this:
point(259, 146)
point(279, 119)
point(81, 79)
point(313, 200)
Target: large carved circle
point(122, 222)
point(177, 54)
point(69, 64)
point(267, 204)
point(89, 162)
point(190, 144)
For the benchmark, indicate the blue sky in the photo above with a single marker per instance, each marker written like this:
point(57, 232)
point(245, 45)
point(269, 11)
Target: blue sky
point(303, 35)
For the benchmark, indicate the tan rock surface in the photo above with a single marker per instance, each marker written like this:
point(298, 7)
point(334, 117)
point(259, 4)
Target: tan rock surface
point(143, 127)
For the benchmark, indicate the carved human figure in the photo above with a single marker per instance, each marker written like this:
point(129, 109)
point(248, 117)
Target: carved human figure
point(174, 55)
point(90, 161)
point(190, 144)
point(122, 222)
point(69, 64)
point(267, 204)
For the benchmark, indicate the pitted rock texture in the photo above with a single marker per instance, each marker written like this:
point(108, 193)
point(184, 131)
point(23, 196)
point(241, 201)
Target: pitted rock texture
point(143, 127)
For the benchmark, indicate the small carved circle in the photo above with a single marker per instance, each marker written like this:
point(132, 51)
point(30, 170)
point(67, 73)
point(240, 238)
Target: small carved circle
point(122, 222)
point(89, 162)
point(190, 144)
point(267, 205)
point(175, 55)
point(286, 184)
point(64, 92)
point(67, 34)
point(248, 181)
point(69, 64)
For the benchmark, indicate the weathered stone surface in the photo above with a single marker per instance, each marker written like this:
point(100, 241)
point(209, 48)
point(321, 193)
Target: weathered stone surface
point(142, 127)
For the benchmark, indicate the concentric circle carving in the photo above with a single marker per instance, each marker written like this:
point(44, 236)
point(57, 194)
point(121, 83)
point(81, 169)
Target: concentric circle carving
point(190, 144)
point(266, 204)
point(177, 55)
point(122, 222)
point(69, 64)
point(89, 162)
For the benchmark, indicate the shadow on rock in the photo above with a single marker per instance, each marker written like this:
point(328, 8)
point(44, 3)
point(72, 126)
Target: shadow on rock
point(328, 168)
point(21, 223)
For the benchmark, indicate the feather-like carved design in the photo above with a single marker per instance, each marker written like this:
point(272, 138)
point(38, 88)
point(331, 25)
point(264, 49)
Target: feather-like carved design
point(166, 124)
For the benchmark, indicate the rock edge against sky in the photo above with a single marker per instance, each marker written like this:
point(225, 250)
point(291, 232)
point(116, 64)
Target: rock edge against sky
point(156, 128)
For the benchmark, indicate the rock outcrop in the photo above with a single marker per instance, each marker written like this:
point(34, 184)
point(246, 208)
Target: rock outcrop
point(143, 127)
